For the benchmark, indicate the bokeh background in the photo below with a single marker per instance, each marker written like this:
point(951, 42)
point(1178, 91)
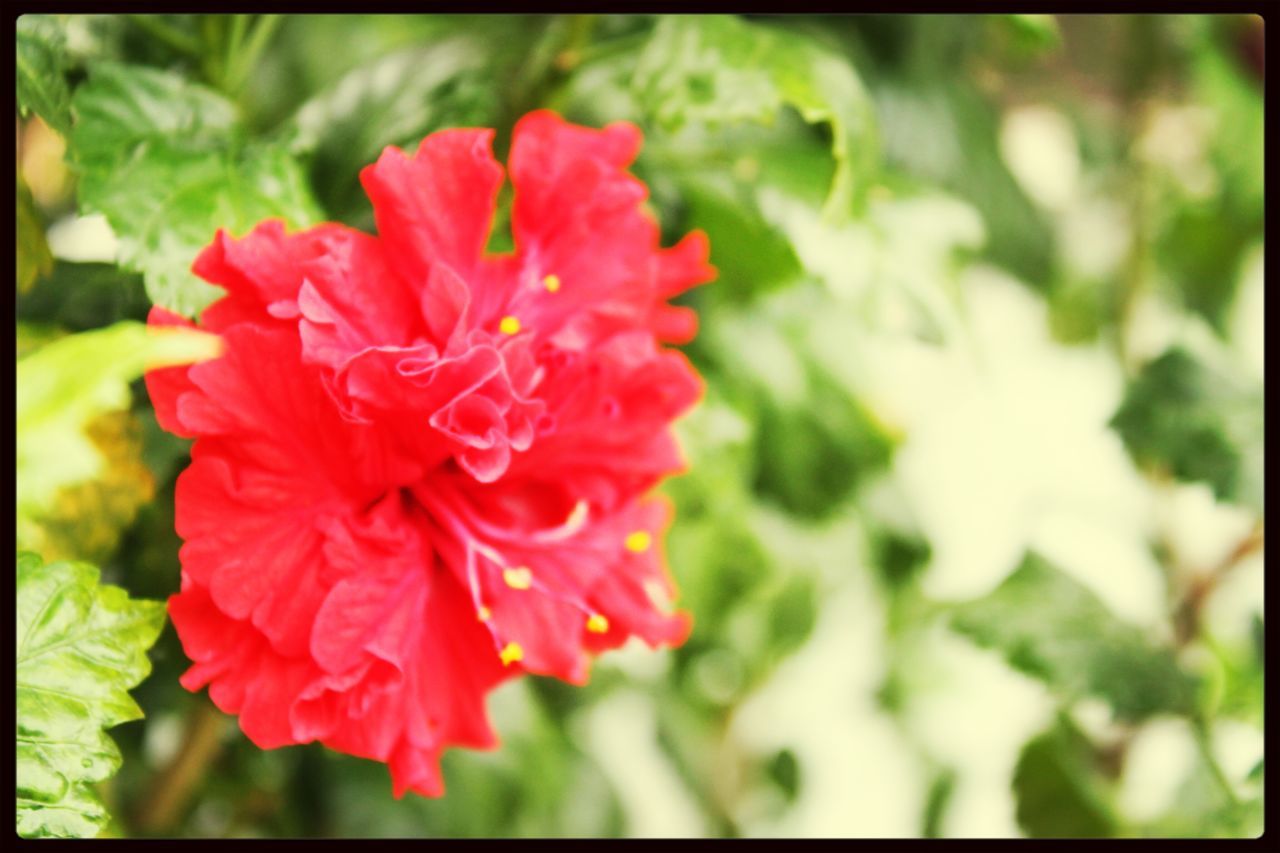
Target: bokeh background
point(972, 536)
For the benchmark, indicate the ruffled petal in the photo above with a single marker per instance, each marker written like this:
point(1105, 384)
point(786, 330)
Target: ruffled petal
point(578, 217)
point(349, 301)
point(261, 268)
point(437, 205)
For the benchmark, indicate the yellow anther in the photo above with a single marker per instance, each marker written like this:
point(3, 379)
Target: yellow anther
point(484, 613)
point(509, 325)
point(639, 541)
point(551, 283)
point(511, 653)
point(518, 578)
point(597, 624)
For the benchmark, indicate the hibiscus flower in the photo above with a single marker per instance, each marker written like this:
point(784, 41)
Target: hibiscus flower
point(420, 468)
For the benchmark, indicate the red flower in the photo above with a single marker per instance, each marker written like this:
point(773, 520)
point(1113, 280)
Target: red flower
point(420, 469)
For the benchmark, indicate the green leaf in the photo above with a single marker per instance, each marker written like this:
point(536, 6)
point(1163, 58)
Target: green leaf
point(1059, 789)
point(1031, 34)
point(750, 255)
point(83, 296)
point(41, 71)
point(81, 647)
point(34, 258)
point(1200, 422)
point(68, 382)
point(719, 70)
point(814, 443)
point(722, 184)
point(937, 800)
point(395, 100)
point(164, 160)
point(1048, 626)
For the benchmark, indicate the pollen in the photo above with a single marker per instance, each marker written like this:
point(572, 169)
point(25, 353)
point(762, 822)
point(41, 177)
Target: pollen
point(597, 624)
point(639, 542)
point(484, 614)
point(511, 653)
point(551, 283)
point(518, 578)
point(509, 325)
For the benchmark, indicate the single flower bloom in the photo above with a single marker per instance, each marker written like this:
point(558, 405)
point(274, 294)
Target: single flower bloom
point(421, 468)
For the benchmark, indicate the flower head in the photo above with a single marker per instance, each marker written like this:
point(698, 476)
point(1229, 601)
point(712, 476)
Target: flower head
point(421, 468)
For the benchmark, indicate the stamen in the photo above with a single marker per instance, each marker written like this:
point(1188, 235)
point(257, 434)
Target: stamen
point(639, 541)
point(597, 624)
point(484, 613)
point(509, 325)
point(511, 653)
point(551, 283)
point(518, 578)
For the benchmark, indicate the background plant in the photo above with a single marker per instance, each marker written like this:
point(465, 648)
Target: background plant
point(973, 532)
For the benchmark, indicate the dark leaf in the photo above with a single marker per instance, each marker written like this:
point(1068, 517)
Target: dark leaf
point(1048, 626)
point(1059, 789)
point(41, 71)
point(1199, 422)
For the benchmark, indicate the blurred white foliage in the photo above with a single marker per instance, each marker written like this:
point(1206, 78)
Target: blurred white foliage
point(859, 776)
point(1039, 146)
point(1006, 439)
point(1155, 324)
point(83, 239)
point(1095, 233)
point(622, 733)
point(972, 712)
point(1159, 758)
point(1200, 530)
point(1176, 139)
point(1007, 444)
point(1111, 560)
point(1238, 747)
point(1229, 609)
point(888, 267)
point(1247, 326)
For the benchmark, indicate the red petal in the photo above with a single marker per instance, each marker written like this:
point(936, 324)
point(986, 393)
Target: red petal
point(166, 385)
point(437, 205)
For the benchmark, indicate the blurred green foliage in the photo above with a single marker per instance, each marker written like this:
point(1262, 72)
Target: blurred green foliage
point(972, 531)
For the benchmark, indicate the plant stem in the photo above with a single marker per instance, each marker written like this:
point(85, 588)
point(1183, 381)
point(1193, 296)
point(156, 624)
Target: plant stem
point(172, 787)
point(610, 47)
point(176, 39)
point(248, 52)
point(554, 53)
point(1201, 728)
point(1188, 612)
point(212, 58)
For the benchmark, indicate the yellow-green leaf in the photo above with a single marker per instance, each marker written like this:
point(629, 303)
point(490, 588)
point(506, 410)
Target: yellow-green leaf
point(68, 382)
point(81, 646)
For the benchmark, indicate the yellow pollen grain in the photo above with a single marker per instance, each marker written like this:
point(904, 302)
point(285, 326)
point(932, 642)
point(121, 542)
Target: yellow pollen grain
point(518, 578)
point(551, 283)
point(509, 325)
point(484, 613)
point(597, 624)
point(639, 541)
point(511, 653)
